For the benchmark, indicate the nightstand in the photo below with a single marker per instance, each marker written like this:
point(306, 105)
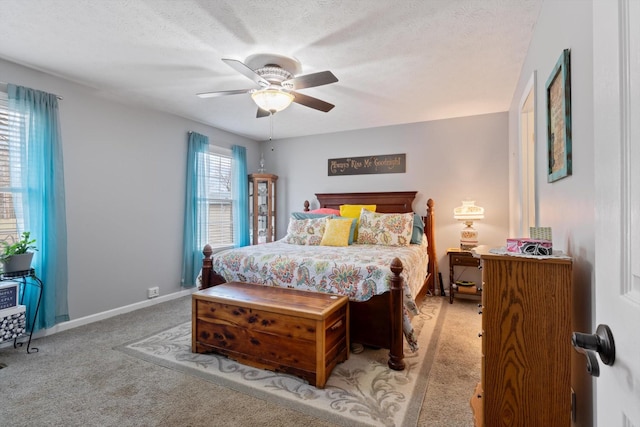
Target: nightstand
point(462, 258)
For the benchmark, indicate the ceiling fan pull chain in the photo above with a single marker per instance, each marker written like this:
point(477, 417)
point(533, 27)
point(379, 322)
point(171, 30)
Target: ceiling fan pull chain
point(270, 125)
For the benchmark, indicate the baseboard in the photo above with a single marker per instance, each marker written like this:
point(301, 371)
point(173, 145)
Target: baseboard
point(64, 326)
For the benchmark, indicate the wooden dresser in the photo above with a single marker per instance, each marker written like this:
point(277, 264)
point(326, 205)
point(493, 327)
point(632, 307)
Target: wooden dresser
point(526, 343)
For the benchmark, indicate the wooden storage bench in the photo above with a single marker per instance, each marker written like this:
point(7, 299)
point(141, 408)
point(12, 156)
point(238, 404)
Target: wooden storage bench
point(302, 333)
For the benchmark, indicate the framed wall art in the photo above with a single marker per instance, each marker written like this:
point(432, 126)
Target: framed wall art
point(559, 119)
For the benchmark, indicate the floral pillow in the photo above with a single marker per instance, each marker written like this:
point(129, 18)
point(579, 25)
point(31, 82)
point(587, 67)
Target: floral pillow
point(385, 229)
point(305, 231)
point(353, 211)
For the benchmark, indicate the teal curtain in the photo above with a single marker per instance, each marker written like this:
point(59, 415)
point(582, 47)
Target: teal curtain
point(37, 170)
point(195, 210)
point(239, 188)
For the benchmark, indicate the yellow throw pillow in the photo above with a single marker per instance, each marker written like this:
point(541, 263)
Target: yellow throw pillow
point(353, 211)
point(336, 233)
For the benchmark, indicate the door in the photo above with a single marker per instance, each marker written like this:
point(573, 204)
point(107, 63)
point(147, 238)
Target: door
point(527, 148)
point(616, 76)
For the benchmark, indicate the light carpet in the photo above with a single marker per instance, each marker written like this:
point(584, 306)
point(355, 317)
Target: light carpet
point(360, 391)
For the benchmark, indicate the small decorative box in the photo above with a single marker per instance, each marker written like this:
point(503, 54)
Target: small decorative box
point(12, 322)
point(543, 233)
point(530, 246)
point(8, 295)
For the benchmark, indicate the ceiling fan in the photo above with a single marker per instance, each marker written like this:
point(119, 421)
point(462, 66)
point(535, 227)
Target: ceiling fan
point(277, 83)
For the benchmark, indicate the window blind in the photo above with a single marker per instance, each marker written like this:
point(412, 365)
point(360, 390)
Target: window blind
point(8, 214)
point(220, 202)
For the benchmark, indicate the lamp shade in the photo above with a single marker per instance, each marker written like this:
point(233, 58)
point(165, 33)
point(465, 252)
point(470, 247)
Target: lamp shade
point(272, 100)
point(468, 211)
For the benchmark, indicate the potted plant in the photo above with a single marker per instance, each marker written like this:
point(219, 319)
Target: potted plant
point(17, 256)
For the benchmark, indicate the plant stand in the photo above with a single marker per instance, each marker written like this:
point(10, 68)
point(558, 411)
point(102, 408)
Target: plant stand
point(26, 278)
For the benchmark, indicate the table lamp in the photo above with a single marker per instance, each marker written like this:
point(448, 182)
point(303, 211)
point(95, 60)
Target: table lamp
point(468, 213)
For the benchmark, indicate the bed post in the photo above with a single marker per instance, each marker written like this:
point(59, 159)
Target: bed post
point(432, 269)
point(209, 276)
point(396, 355)
point(207, 266)
point(306, 206)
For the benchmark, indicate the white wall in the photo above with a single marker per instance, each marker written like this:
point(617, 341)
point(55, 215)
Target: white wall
point(124, 173)
point(566, 205)
point(447, 160)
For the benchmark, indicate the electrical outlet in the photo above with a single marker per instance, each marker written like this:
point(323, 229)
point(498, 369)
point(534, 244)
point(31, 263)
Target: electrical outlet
point(153, 292)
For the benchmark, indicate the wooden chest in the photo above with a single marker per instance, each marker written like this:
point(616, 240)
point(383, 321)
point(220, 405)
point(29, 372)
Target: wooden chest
point(286, 330)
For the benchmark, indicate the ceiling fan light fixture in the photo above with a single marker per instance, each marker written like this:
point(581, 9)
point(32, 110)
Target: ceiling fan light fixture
point(272, 100)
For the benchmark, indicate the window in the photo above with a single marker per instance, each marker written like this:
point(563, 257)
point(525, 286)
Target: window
point(220, 200)
point(8, 221)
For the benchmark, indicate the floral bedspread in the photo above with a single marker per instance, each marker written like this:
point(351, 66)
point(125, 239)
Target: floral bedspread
point(357, 271)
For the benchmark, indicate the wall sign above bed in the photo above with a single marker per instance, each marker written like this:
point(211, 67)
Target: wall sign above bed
point(385, 163)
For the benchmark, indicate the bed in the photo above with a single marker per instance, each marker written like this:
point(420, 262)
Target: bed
point(389, 282)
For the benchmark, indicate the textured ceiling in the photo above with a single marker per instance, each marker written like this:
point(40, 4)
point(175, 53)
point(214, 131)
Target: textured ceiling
point(397, 61)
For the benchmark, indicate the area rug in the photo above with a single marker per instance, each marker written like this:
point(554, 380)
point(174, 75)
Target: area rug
point(360, 391)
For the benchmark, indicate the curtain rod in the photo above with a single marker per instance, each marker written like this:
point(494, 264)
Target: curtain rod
point(3, 86)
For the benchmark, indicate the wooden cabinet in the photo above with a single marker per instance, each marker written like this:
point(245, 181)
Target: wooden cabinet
point(262, 207)
point(526, 343)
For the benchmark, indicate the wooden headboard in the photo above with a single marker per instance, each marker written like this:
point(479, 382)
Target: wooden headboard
point(386, 202)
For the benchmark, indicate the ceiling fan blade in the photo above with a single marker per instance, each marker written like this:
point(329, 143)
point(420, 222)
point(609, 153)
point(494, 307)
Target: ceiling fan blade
point(262, 113)
point(312, 80)
point(311, 102)
point(222, 93)
point(246, 71)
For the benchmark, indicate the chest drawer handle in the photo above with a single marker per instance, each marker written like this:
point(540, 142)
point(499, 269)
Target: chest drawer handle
point(336, 325)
